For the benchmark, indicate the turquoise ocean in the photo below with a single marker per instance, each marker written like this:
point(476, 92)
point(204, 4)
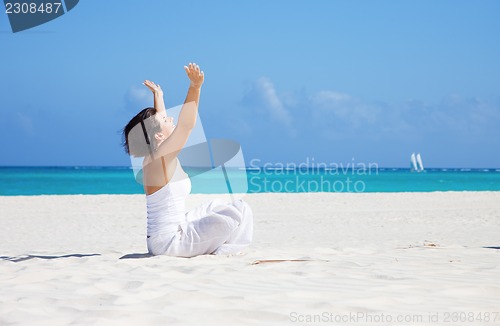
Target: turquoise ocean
point(120, 180)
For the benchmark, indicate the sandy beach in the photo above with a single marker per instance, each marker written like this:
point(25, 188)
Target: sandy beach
point(317, 258)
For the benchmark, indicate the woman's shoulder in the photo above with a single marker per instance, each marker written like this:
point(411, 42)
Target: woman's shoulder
point(157, 173)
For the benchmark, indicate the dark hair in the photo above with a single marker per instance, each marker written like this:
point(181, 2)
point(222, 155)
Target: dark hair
point(138, 134)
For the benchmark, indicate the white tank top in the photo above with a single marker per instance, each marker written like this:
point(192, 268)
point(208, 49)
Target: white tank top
point(166, 206)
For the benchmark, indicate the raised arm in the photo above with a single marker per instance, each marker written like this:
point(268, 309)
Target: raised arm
point(189, 111)
point(159, 103)
point(187, 117)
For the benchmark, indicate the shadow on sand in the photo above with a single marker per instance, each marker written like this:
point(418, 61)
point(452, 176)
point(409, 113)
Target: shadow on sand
point(28, 257)
point(136, 256)
point(18, 259)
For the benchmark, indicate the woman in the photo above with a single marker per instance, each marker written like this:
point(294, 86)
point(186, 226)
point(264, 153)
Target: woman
point(216, 227)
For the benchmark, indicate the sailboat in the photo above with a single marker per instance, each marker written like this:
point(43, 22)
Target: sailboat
point(419, 163)
point(416, 164)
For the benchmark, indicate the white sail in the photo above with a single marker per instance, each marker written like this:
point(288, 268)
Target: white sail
point(419, 162)
point(413, 161)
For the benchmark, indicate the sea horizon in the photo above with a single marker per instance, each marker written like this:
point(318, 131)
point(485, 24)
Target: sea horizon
point(64, 180)
point(247, 167)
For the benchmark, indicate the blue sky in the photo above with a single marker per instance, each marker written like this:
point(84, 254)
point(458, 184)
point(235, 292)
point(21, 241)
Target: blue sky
point(337, 81)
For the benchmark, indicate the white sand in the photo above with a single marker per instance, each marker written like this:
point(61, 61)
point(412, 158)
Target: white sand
point(80, 260)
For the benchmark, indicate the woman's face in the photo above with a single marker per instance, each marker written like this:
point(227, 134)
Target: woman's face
point(166, 123)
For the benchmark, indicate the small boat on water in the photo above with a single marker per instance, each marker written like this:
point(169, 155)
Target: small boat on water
point(416, 164)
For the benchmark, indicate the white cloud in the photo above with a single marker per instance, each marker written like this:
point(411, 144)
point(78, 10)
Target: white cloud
point(137, 98)
point(330, 106)
point(264, 94)
point(331, 114)
point(467, 114)
point(455, 114)
point(326, 97)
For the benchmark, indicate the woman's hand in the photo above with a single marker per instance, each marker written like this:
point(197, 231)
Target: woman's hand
point(195, 75)
point(157, 95)
point(156, 89)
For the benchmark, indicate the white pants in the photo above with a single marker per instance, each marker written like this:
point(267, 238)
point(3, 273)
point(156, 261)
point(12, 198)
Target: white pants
point(216, 227)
